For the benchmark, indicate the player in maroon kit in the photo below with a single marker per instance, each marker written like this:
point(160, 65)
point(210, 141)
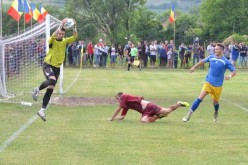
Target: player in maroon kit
point(150, 112)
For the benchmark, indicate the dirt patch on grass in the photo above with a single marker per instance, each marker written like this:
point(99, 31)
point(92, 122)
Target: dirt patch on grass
point(88, 101)
point(83, 101)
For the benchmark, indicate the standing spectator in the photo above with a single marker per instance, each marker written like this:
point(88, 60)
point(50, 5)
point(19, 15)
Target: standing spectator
point(90, 52)
point(243, 54)
point(175, 58)
point(169, 58)
point(210, 48)
point(230, 47)
point(202, 55)
point(147, 53)
point(127, 50)
point(188, 56)
point(75, 54)
point(140, 54)
point(227, 52)
point(105, 55)
point(235, 53)
point(182, 51)
point(163, 56)
point(101, 52)
point(98, 49)
point(120, 52)
point(96, 55)
point(153, 53)
point(196, 52)
point(70, 58)
point(166, 43)
point(113, 55)
point(171, 45)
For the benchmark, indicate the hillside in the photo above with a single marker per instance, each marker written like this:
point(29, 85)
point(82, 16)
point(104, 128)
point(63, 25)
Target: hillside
point(154, 5)
point(182, 5)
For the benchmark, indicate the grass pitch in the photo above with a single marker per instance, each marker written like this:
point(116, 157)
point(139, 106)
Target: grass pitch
point(84, 135)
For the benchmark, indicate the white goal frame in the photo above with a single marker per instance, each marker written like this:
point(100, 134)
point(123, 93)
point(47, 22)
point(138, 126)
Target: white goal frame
point(50, 24)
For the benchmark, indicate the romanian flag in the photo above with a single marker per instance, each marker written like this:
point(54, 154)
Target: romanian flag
point(27, 12)
point(15, 10)
point(43, 14)
point(172, 17)
point(35, 12)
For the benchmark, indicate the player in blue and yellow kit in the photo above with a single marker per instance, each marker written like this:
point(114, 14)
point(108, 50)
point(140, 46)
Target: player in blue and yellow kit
point(52, 62)
point(214, 79)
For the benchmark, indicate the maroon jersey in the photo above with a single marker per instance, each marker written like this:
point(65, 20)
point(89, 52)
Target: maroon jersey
point(130, 102)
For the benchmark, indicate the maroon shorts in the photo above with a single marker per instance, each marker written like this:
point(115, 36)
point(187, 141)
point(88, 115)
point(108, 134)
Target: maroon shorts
point(150, 110)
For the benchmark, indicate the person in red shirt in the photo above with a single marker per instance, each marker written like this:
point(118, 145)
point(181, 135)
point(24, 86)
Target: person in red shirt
point(149, 111)
point(90, 52)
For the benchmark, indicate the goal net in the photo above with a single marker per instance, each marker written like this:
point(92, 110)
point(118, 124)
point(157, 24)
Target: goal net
point(21, 58)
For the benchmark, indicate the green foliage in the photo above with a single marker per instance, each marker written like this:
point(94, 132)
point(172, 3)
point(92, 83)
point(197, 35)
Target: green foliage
point(159, 6)
point(236, 37)
point(187, 28)
point(147, 25)
point(222, 20)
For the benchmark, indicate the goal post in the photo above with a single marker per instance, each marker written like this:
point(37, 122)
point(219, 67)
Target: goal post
point(21, 58)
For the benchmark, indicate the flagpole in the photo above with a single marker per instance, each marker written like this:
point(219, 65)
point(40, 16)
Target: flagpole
point(24, 21)
point(18, 22)
point(174, 37)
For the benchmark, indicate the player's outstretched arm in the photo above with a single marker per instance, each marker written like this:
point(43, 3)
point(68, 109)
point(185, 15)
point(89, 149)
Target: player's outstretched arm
point(75, 28)
point(196, 65)
point(118, 109)
point(60, 26)
point(120, 117)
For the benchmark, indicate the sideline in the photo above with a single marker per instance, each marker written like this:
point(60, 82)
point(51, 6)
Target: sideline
point(234, 104)
point(5, 144)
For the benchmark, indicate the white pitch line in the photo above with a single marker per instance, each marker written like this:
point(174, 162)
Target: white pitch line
point(73, 82)
point(17, 133)
point(5, 144)
point(236, 105)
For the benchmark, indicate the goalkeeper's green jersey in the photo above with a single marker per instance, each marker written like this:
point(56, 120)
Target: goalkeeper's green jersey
point(57, 50)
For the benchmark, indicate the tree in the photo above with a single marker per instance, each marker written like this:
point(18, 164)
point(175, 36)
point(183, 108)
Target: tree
point(110, 17)
point(147, 25)
point(221, 18)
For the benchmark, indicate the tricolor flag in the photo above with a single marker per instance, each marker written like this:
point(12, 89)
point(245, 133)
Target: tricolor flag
point(172, 17)
point(15, 10)
point(35, 12)
point(27, 12)
point(43, 14)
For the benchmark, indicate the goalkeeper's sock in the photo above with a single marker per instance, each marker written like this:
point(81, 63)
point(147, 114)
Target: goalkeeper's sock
point(47, 97)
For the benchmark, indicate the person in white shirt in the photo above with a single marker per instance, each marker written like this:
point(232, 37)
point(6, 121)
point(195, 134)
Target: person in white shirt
point(153, 53)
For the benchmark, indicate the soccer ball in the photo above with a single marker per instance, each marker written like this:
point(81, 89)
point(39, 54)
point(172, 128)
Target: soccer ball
point(69, 24)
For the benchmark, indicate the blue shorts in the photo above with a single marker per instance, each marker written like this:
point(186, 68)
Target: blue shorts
point(235, 57)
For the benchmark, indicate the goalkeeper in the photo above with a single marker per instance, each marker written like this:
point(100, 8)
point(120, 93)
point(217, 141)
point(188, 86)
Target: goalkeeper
point(149, 111)
point(52, 62)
